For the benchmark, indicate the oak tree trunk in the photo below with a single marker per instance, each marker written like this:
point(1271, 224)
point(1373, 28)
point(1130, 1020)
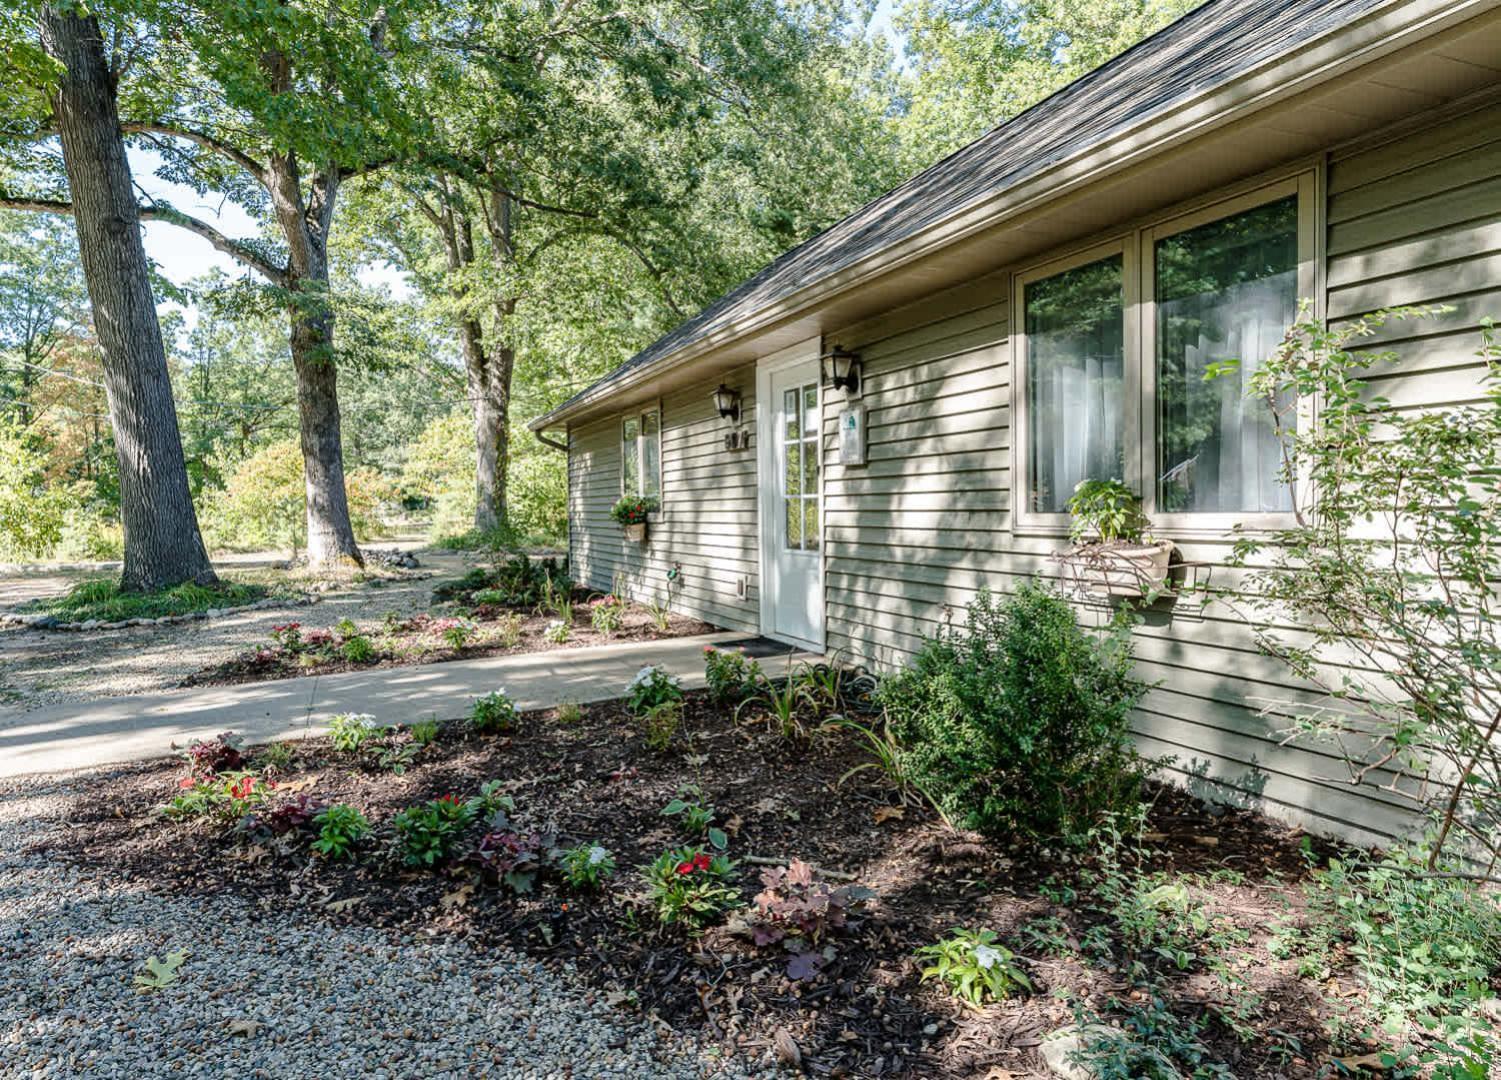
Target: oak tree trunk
point(163, 546)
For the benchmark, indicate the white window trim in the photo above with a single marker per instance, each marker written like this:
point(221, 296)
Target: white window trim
point(640, 416)
point(1139, 422)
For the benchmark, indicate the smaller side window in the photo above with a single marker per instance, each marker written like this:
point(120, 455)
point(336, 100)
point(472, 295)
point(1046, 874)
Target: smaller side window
point(641, 454)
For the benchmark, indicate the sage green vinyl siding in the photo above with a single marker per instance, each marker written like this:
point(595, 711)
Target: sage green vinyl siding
point(707, 523)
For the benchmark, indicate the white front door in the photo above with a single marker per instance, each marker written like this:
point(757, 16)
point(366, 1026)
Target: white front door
point(790, 435)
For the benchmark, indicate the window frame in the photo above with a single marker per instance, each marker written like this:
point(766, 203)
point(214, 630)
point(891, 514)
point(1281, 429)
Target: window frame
point(1137, 246)
point(1023, 516)
point(641, 470)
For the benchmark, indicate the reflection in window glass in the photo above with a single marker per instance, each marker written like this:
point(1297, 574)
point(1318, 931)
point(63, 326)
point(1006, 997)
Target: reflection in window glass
point(1075, 324)
point(651, 454)
point(1225, 291)
point(794, 523)
point(801, 436)
point(810, 523)
point(790, 414)
point(630, 455)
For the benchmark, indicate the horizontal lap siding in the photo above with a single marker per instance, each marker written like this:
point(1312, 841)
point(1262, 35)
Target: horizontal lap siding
point(911, 536)
point(707, 523)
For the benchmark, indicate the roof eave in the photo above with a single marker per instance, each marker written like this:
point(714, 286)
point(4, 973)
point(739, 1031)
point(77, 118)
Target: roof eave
point(1383, 30)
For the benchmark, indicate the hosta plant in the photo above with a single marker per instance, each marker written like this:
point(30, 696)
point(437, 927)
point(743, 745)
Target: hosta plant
point(493, 713)
point(801, 913)
point(426, 834)
point(585, 868)
point(340, 827)
point(974, 966)
point(691, 886)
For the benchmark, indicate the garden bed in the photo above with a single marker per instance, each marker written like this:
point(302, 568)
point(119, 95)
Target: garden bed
point(594, 781)
point(296, 649)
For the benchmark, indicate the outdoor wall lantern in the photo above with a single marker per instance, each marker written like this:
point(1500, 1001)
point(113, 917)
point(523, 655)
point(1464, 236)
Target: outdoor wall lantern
point(842, 368)
point(727, 401)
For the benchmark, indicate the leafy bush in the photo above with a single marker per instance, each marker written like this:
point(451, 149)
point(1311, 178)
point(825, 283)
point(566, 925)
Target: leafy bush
point(351, 731)
point(730, 676)
point(340, 828)
point(661, 723)
point(425, 732)
point(227, 797)
point(690, 886)
point(557, 632)
point(427, 833)
point(800, 912)
point(492, 804)
point(586, 867)
point(607, 614)
point(974, 966)
point(456, 633)
point(694, 817)
point(31, 509)
point(357, 649)
point(493, 713)
point(220, 754)
point(652, 686)
point(1019, 722)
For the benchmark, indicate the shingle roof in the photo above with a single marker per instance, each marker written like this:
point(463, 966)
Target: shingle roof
point(1209, 46)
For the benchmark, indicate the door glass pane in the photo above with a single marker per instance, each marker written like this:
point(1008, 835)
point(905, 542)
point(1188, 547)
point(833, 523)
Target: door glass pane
point(651, 454)
point(1075, 324)
point(790, 478)
point(790, 414)
point(811, 422)
point(794, 523)
point(630, 461)
point(810, 468)
point(1226, 291)
point(810, 524)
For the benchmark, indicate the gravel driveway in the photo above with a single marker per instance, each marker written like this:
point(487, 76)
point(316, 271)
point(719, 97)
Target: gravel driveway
point(265, 995)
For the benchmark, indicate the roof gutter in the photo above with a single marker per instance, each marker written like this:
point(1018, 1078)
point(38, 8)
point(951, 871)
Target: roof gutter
point(1382, 31)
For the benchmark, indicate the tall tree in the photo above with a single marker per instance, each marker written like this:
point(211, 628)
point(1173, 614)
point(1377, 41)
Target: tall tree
point(163, 546)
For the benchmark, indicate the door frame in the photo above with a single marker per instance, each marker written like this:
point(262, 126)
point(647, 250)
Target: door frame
point(804, 352)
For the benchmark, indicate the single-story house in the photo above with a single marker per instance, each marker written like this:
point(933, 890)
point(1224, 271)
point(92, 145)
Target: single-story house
point(1007, 314)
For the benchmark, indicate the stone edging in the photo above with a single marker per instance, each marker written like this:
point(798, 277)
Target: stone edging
point(51, 622)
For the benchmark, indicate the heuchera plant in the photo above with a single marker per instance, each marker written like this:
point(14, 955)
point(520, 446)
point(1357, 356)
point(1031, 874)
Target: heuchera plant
point(284, 818)
point(217, 755)
point(513, 859)
point(797, 910)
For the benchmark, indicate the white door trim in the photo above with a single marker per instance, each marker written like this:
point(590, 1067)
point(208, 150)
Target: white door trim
point(801, 353)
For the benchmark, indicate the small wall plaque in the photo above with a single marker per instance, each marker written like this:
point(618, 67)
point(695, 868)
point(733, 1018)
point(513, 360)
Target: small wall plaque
point(852, 435)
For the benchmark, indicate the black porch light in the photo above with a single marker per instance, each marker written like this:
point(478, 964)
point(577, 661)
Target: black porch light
point(842, 368)
point(727, 401)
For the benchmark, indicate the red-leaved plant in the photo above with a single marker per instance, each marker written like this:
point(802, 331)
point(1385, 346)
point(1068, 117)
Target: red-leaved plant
point(221, 754)
point(797, 910)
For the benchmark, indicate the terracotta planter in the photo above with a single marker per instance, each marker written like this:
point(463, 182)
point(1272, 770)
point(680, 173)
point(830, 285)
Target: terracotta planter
point(636, 534)
point(1121, 568)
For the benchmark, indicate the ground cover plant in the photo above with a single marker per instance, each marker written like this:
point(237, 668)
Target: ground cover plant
point(105, 601)
point(1207, 941)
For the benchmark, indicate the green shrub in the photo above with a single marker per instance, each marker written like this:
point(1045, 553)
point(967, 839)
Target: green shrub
point(427, 833)
point(585, 868)
point(358, 649)
point(652, 686)
point(350, 731)
point(974, 965)
point(691, 886)
point(340, 828)
point(1018, 722)
point(493, 713)
point(729, 675)
point(607, 614)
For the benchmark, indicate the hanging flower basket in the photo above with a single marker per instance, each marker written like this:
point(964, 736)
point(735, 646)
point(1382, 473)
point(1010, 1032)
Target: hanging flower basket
point(633, 512)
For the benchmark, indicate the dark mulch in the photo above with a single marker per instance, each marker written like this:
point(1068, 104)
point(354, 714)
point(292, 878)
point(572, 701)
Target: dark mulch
point(419, 640)
point(865, 1015)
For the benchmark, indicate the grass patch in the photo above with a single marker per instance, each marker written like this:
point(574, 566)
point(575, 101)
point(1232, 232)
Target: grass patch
point(103, 600)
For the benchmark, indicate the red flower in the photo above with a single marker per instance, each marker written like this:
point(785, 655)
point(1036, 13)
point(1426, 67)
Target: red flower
point(708, 649)
point(451, 799)
point(243, 787)
point(186, 782)
point(685, 868)
point(700, 862)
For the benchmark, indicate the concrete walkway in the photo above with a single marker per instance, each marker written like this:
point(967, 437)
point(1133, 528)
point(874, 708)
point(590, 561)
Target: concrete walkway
point(84, 734)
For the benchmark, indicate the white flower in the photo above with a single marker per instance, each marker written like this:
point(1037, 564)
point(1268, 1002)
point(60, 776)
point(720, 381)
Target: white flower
point(597, 855)
point(986, 957)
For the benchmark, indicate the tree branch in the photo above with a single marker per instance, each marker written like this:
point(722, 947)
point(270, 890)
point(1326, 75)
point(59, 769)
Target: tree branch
point(209, 142)
point(277, 275)
point(40, 206)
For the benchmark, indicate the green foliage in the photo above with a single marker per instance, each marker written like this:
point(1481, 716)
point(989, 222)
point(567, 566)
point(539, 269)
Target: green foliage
point(426, 834)
point(729, 675)
point(691, 886)
point(425, 732)
point(570, 712)
point(1019, 722)
point(494, 713)
point(634, 509)
point(607, 613)
point(651, 687)
point(660, 724)
point(1105, 510)
point(1148, 1041)
point(224, 797)
point(103, 600)
point(695, 817)
point(357, 649)
point(350, 732)
point(32, 511)
point(974, 966)
point(585, 868)
point(1405, 637)
point(340, 829)
point(661, 615)
point(508, 630)
point(159, 973)
point(787, 702)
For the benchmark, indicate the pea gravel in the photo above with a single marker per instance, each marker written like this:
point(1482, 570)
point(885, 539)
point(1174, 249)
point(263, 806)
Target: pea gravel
point(273, 994)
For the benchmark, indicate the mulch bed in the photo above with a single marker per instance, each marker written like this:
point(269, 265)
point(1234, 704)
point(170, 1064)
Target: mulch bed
point(866, 1014)
point(419, 640)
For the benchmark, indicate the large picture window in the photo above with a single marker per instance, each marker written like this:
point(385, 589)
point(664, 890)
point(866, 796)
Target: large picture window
point(1133, 362)
point(641, 454)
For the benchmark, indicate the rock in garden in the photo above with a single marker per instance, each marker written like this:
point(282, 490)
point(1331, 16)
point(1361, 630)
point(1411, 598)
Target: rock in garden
point(1059, 1047)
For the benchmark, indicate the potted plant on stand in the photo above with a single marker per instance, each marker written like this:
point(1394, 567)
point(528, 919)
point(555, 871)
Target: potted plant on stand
point(1113, 552)
point(633, 511)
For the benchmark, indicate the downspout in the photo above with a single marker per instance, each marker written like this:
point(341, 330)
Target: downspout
point(545, 441)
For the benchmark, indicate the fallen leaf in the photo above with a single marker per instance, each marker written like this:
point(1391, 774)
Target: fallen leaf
point(1365, 1061)
point(786, 1048)
point(338, 907)
point(294, 786)
point(160, 973)
point(733, 825)
point(247, 1028)
point(695, 760)
point(888, 813)
point(456, 899)
point(254, 853)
